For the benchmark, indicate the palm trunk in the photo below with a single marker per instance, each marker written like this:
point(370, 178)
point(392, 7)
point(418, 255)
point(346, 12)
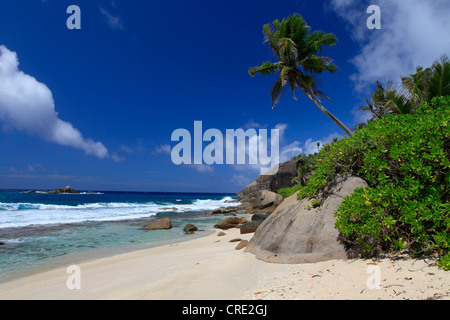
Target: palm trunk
point(328, 113)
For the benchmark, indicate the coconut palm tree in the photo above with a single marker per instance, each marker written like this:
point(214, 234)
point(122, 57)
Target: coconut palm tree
point(417, 84)
point(378, 103)
point(392, 99)
point(414, 90)
point(439, 84)
point(296, 49)
point(428, 83)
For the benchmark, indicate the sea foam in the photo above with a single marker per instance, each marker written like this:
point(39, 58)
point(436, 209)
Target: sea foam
point(27, 214)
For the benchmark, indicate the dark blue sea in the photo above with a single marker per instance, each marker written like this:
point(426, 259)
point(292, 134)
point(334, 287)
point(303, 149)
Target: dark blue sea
point(39, 230)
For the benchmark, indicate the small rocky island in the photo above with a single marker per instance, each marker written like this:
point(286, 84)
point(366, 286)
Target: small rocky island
point(65, 190)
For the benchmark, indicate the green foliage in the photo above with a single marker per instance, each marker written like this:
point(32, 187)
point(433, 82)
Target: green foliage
point(405, 160)
point(315, 203)
point(287, 192)
point(305, 167)
point(444, 263)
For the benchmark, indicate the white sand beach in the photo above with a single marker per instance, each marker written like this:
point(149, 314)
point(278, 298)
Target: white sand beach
point(210, 268)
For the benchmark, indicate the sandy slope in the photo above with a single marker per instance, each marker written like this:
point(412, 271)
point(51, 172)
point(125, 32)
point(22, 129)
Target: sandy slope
point(210, 268)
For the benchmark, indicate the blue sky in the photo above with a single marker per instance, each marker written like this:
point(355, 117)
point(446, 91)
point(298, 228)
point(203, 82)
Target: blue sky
point(116, 89)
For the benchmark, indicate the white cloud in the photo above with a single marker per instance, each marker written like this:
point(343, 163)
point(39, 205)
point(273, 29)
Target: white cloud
point(413, 33)
point(252, 125)
point(310, 145)
point(242, 180)
point(126, 149)
point(27, 105)
point(250, 148)
point(116, 158)
point(247, 173)
point(286, 151)
point(281, 127)
point(113, 21)
point(296, 148)
point(361, 116)
point(289, 151)
point(35, 167)
point(164, 148)
point(202, 168)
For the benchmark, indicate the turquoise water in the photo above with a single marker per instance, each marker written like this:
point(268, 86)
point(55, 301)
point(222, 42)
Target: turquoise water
point(48, 230)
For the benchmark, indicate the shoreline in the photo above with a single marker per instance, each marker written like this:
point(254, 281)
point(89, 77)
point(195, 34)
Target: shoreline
point(94, 255)
point(209, 268)
point(103, 252)
point(38, 284)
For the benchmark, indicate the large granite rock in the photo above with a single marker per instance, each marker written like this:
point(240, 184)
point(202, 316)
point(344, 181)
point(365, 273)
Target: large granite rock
point(297, 233)
point(263, 199)
point(261, 194)
point(272, 182)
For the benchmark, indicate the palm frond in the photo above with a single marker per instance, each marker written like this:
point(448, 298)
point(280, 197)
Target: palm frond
point(292, 86)
point(317, 40)
point(440, 79)
point(267, 68)
point(277, 91)
point(398, 103)
point(288, 51)
point(271, 39)
point(300, 29)
point(317, 65)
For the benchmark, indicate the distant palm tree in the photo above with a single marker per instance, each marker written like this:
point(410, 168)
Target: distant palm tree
point(296, 49)
point(417, 84)
point(414, 90)
point(390, 99)
point(439, 84)
point(378, 102)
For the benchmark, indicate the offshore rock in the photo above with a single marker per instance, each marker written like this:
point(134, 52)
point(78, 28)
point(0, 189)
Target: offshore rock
point(64, 190)
point(231, 222)
point(160, 224)
point(190, 228)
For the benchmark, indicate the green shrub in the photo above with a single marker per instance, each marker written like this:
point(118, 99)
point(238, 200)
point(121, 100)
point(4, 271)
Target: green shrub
point(444, 263)
point(405, 160)
point(287, 192)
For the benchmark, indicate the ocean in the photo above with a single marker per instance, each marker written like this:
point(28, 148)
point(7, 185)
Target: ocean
point(39, 230)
